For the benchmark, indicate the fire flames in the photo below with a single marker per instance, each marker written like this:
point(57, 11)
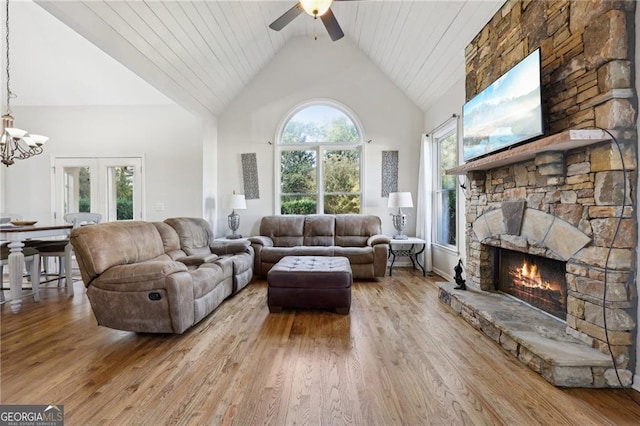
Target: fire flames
point(528, 276)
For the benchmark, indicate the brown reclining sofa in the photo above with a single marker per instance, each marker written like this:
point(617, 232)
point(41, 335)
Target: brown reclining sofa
point(158, 277)
point(354, 236)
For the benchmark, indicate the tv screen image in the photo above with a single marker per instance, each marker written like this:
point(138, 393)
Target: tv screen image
point(507, 112)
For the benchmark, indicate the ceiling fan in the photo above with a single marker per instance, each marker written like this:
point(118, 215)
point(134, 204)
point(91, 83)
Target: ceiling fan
point(315, 8)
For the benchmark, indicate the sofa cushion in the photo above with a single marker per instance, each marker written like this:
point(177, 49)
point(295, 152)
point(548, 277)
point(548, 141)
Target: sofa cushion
point(170, 240)
point(353, 230)
point(319, 230)
point(194, 233)
point(205, 279)
point(285, 231)
point(356, 255)
point(274, 254)
point(104, 245)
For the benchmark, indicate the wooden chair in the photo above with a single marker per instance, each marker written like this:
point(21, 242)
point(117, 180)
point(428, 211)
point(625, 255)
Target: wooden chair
point(55, 248)
point(81, 219)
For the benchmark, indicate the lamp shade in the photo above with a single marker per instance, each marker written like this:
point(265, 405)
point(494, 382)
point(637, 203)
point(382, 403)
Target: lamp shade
point(236, 202)
point(400, 200)
point(39, 139)
point(16, 133)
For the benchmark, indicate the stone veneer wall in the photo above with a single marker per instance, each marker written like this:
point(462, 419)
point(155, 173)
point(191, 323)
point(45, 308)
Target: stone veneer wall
point(587, 55)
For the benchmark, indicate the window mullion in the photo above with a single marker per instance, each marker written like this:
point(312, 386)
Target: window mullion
point(320, 176)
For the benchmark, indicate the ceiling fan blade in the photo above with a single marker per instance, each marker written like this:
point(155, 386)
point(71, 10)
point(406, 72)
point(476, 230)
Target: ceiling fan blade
point(287, 17)
point(331, 24)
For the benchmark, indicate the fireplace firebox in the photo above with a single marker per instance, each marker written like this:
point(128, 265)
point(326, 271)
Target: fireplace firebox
point(537, 280)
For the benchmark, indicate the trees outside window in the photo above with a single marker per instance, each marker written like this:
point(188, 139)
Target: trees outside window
point(446, 147)
point(123, 177)
point(320, 162)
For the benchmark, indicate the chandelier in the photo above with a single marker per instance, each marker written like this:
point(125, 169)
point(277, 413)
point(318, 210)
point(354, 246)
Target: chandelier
point(16, 143)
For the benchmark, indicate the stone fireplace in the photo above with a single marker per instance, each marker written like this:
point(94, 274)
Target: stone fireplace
point(569, 197)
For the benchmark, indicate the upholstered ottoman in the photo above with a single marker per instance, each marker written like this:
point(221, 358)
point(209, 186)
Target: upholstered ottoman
point(316, 282)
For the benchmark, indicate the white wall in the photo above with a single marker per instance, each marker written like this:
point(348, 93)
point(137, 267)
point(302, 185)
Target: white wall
point(53, 65)
point(91, 105)
point(303, 70)
point(169, 139)
point(210, 170)
point(443, 109)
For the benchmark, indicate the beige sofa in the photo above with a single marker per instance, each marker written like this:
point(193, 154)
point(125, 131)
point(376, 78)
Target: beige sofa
point(158, 277)
point(356, 237)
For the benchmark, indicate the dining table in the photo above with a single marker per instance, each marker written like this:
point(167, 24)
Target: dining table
point(16, 236)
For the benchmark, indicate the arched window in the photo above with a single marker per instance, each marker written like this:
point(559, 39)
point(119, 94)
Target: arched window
point(320, 161)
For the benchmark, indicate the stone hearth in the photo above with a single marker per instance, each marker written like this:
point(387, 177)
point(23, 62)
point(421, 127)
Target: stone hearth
point(536, 339)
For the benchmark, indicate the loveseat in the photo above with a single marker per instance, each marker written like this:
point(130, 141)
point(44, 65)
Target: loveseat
point(354, 236)
point(158, 277)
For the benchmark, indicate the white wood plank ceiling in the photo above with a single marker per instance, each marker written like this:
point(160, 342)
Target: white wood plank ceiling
point(203, 53)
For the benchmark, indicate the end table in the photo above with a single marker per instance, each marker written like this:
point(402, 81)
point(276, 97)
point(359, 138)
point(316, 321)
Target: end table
point(417, 247)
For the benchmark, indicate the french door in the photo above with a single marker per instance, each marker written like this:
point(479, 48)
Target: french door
point(111, 186)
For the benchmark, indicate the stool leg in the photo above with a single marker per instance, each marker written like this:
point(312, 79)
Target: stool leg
point(61, 271)
point(1, 282)
point(35, 277)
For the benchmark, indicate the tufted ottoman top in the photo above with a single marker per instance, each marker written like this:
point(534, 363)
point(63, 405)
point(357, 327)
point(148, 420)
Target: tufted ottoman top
point(311, 272)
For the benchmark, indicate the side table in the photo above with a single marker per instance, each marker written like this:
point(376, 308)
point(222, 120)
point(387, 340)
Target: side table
point(417, 247)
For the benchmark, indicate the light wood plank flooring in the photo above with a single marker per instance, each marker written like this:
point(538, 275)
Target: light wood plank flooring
point(399, 358)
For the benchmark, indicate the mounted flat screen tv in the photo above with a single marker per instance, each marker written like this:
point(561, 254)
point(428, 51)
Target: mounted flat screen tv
point(506, 113)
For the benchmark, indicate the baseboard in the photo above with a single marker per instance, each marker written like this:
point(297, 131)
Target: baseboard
point(443, 274)
point(636, 382)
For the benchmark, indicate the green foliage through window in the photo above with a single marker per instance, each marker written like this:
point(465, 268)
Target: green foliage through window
point(319, 127)
point(447, 203)
point(124, 192)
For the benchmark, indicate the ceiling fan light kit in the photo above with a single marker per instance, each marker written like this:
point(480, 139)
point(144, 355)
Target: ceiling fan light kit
point(315, 8)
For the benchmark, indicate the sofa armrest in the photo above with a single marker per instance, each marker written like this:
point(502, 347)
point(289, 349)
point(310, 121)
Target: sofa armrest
point(258, 243)
point(378, 239)
point(196, 259)
point(261, 240)
point(230, 247)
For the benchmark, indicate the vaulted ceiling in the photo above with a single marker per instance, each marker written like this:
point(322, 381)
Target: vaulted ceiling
point(203, 53)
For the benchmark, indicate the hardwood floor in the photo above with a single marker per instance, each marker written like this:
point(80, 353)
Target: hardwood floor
point(399, 357)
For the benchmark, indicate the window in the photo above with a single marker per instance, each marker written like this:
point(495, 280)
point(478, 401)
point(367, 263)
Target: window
point(320, 156)
point(446, 148)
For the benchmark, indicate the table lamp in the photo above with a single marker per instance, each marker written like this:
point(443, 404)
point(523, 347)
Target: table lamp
point(235, 202)
point(400, 200)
